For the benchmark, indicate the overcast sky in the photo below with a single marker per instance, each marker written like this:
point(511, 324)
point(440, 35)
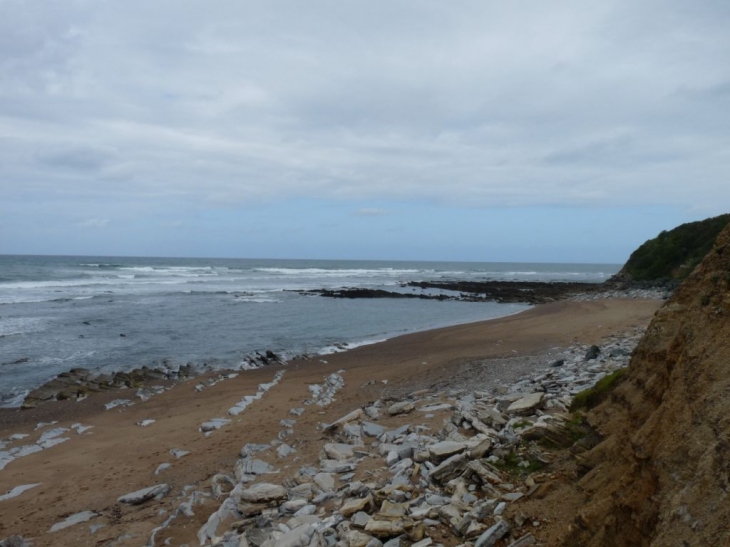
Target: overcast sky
point(470, 130)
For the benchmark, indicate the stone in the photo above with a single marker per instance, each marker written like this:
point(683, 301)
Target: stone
point(285, 450)
point(355, 538)
point(292, 506)
point(404, 407)
point(78, 518)
point(14, 541)
point(423, 543)
point(354, 505)
point(325, 481)
point(445, 449)
point(338, 451)
point(177, 453)
point(389, 510)
point(592, 353)
point(212, 425)
point(370, 429)
point(264, 492)
point(526, 404)
point(298, 537)
point(360, 519)
point(512, 496)
point(138, 497)
point(493, 534)
point(162, 467)
point(384, 528)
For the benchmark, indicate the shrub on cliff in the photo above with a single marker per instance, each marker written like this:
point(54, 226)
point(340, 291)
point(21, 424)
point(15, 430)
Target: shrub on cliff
point(674, 254)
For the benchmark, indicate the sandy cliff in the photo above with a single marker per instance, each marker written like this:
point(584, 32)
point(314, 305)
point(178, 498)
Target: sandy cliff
point(660, 476)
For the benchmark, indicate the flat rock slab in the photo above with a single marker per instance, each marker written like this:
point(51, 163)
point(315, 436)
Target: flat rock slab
point(526, 404)
point(263, 492)
point(212, 425)
point(370, 429)
point(338, 451)
point(158, 491)
point(401, 408)
point(78, 518)
point(444, 449)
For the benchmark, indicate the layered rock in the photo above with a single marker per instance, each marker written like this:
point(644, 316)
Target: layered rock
point(661, 477)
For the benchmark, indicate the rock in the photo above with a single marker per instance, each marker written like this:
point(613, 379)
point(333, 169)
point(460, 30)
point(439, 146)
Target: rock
point(284, 450)
point(325, 481)
point(351, 417)
point(384, 528)
point(162, 467)
point(403, 407)
point(449, 468)
point(355, 538)
point(423, 543)
point(138, 497)
point(292, 506)
point(73, 519)
point(338, 451)
point(177, 453)
point(212, 425)
point(370, 429)
point(558, 363)
point(512, 496)
point(526, 404)
point(592, 353)
point(445, 449)
point(492, 535)
point(355, 505)
point(389, 510)
point(264, 492)
point(360, 519)
point(14, 541)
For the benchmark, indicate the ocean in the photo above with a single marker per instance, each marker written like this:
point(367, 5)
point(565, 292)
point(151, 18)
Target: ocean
point(118, 313)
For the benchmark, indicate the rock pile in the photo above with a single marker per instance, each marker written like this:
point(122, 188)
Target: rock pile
point(382, 483)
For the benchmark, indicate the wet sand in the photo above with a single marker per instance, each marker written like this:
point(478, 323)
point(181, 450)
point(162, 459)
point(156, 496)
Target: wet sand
point(91, 470)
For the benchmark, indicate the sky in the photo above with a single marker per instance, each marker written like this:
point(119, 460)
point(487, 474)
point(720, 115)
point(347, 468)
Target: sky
point(564, 131)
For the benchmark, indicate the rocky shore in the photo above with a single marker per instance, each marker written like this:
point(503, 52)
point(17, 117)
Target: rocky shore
point(340, 451)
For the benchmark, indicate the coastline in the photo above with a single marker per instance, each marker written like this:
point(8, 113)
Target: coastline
point(117, 456)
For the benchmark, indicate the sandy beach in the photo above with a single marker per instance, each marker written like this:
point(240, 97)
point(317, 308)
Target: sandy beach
point(115, 456)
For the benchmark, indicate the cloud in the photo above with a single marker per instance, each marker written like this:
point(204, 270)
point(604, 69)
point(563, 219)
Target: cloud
point(475, 105)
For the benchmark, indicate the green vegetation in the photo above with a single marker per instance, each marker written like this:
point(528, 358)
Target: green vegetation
point(592, 397)
point(674, 254)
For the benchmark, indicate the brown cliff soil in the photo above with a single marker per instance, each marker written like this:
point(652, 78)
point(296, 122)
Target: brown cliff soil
point(660, 477)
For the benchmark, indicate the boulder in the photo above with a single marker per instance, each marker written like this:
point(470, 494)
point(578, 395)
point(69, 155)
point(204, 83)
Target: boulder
point(264, 492)
point(492, 535)
point(527, 404)
point(403, 407)
point(338, 451)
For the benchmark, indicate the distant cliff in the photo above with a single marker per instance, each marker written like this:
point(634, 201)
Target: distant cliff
point(673, 254)
point(661, 476)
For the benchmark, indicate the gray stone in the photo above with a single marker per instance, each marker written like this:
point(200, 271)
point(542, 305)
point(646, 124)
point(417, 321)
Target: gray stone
point(355, 538)
point(292, 506)
point(298, 537)
point(78, 518)
point(493, 534)
point(360, 519)
point(370, 429)
point(263, 492)
point(404, 407)
point(445, 449)
point(325, 481)
point(14, 541)
point(526, 404)
point(138, 497)
point(354, 505)
point(338, 451)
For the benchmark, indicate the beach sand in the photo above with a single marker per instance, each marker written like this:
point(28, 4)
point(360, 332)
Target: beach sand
point(92, 469)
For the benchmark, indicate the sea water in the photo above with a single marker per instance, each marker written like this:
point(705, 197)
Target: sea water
point(118, 313)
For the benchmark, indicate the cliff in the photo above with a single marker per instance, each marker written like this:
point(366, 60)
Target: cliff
point(661, 477)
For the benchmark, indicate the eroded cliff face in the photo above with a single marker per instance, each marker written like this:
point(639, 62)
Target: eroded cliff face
point(661, 475)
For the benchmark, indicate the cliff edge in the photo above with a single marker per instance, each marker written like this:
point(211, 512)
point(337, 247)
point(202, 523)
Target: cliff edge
point(660, 477)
